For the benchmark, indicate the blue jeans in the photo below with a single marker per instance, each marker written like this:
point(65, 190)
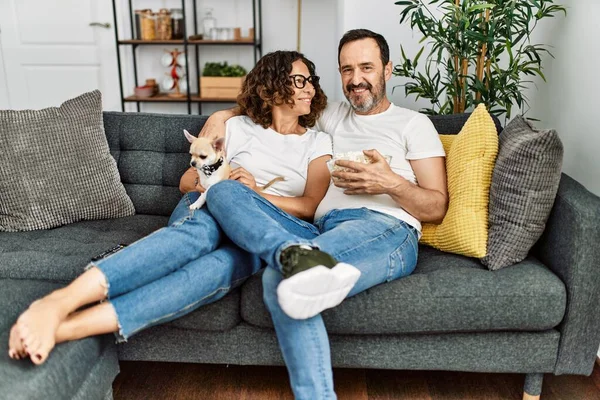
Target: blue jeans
point(174, 270)
point(382, 247)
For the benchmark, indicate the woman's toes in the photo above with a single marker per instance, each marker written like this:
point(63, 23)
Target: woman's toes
point(38, 357)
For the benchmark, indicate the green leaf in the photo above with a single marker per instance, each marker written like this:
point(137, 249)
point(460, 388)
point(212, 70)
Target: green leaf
point(418, 55)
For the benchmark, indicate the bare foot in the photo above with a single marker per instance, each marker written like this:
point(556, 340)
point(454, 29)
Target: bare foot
point(16, 350)
point(38, 325)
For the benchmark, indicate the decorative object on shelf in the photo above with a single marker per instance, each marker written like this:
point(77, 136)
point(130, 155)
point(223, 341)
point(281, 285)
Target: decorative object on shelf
point(152, 83)
point(148, 23)
point(177, 20)
point(220, 80)
point(144, 91)
point(172, 80)
point(479, 52)
point(138, 23)
point(208, 24)
point(164, 26)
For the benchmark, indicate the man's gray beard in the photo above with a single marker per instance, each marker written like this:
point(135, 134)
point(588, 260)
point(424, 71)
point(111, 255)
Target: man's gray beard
point(365, 107)
point(371, 102)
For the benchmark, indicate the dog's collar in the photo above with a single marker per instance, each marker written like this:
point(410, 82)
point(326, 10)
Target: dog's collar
point(208, 170)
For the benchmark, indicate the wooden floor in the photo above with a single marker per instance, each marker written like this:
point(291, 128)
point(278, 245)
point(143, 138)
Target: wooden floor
point(152, 380)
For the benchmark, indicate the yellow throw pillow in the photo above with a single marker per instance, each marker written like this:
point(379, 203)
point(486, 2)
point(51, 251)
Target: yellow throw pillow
point(470, 159)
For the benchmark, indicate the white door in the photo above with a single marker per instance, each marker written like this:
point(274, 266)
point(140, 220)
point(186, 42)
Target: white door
point(50, 53)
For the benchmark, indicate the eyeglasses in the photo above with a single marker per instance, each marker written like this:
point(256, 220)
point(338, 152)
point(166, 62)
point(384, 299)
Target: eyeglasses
point(300, 80)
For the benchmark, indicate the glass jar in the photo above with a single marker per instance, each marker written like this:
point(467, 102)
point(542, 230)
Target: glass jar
point(209, 23)
point(164, 29)
point(148, 22)
point(177, 20)
point(138, 24)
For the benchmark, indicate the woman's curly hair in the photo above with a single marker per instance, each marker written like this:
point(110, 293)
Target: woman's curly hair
point(269, 84)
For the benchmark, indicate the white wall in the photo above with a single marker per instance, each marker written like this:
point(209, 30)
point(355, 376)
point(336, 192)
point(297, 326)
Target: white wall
point(4, 99)
point(568, 102)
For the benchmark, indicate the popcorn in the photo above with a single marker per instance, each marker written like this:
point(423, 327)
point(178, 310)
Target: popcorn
point(356, 156)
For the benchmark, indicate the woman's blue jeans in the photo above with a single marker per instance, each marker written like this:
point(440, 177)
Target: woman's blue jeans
point(382, 247)
point(174, 270)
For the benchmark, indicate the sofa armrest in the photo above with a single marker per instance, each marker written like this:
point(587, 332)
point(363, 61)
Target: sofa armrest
point(570, 247)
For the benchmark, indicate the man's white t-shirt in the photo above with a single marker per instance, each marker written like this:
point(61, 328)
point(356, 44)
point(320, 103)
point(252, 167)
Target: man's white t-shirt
point(267, 154)
point(398, 132)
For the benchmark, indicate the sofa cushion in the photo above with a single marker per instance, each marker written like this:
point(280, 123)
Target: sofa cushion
point(524, 185)
point(61, 255)
point(469, 164)
point(446, 293)
point(71, 368)
point(56, 167)
point(152, 154)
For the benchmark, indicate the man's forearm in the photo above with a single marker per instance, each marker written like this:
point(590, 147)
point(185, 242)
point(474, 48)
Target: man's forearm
point(426, 205)
point(214, 127)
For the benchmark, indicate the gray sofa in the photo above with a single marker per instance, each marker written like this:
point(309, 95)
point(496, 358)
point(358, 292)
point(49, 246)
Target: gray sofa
point(539, 316)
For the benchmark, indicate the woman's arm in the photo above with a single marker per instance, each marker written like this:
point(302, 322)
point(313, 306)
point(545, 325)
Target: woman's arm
point(317, 183)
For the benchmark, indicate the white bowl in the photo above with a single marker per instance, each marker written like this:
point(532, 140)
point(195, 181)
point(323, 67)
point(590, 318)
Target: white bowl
point(356, 156)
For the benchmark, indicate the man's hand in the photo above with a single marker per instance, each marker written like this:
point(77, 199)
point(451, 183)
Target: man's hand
point(374, 178)
point(244, 177)
point(214, 127)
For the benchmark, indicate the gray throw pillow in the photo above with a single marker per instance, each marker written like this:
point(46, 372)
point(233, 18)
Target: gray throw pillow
point(524, 184)
point(56, 168)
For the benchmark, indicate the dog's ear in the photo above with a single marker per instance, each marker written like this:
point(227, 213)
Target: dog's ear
point(219, 144)
point(189, 136)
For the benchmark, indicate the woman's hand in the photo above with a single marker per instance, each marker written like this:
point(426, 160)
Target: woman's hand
point(241, 175)
point(190, 182)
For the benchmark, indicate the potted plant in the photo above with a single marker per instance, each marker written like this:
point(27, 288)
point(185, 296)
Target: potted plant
point(480, 52)
point(220, 80)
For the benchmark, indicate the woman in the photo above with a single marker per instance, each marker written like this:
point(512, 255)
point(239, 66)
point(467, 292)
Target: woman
point(189, 263)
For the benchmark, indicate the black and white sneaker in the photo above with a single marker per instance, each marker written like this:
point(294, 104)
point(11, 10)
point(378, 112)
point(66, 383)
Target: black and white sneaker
point(314, 281)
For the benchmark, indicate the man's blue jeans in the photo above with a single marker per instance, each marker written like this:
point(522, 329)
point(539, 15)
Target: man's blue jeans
point(382, 247)
point(174, 270)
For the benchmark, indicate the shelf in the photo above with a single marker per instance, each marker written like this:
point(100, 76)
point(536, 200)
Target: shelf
point(191, 42)
point(223, 42)
point(135, 41)
point(164, 97)
point(191, 45)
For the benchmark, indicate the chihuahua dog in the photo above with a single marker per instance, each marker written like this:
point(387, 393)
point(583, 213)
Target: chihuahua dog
point(209, 160)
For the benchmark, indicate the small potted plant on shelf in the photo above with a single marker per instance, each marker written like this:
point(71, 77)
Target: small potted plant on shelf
point(220, 80)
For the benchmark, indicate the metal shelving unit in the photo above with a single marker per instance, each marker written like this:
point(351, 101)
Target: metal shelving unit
point(187, 44)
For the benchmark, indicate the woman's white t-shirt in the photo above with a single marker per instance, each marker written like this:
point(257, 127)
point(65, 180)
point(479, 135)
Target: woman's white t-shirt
point(267, 154)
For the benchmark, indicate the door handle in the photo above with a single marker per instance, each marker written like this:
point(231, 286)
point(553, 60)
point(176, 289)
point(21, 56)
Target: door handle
point(101, 24)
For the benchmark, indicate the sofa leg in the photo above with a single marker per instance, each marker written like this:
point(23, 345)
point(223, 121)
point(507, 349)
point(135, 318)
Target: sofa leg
point(533, 386)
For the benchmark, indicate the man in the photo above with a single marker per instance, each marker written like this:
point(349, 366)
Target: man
point(368, 223)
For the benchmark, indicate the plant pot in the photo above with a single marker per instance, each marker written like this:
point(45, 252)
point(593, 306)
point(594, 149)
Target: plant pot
point(220, 87)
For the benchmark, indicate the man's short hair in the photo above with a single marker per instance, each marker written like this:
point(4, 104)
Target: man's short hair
point(358, 34)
